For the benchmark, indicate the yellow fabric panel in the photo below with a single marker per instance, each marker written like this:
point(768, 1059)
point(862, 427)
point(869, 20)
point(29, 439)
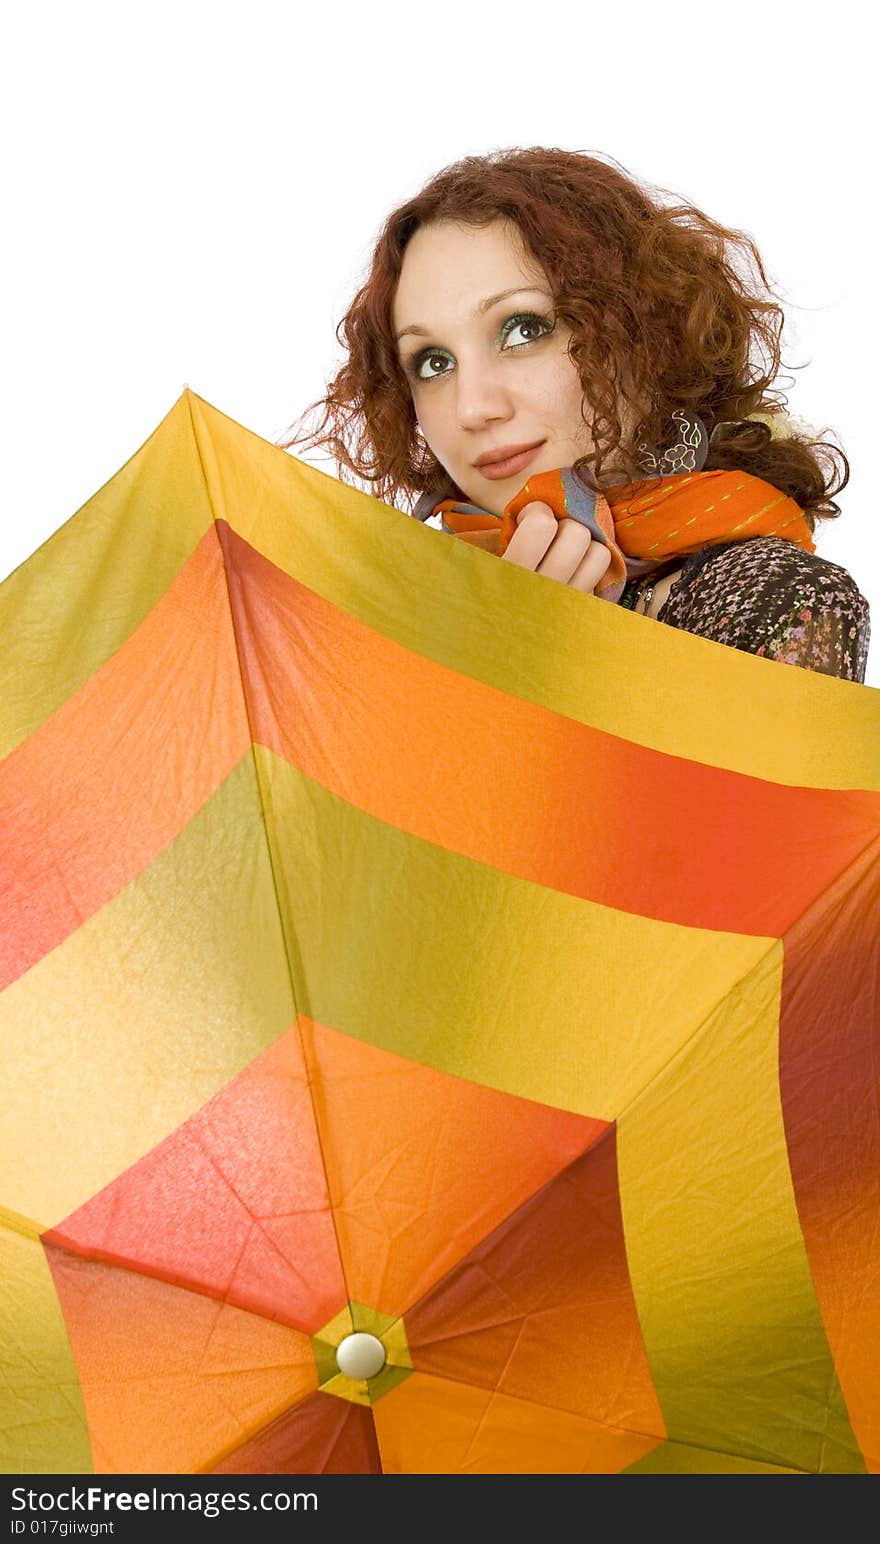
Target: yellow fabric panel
point(42, 1420)
point(723, 1289)
point(539, 639)
point(534, 637)
point(86, 589)
point(496, 969)
point(144, 1012)
point(676, 1458)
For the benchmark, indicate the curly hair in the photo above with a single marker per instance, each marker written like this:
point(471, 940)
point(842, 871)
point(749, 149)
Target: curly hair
point(655, 293)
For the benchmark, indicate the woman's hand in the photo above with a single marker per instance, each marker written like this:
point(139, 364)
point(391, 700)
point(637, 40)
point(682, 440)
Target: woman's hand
point(560, 549)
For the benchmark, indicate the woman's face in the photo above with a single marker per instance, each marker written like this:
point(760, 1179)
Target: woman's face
point(485, 358)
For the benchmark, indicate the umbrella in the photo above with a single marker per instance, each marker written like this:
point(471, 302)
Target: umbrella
point(441, 1007)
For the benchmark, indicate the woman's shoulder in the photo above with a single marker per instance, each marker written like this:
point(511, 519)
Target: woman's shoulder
point(773, 555)
point(770, 597)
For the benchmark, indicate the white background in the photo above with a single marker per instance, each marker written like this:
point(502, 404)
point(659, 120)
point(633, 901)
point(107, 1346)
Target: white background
point(191, 192)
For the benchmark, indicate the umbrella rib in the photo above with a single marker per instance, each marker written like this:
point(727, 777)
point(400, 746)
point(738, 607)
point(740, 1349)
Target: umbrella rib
point(200, 1373)
point(272, 870)
point(160, 1273)
point(16, 1223)
point(755, 965)
point(698, 1030)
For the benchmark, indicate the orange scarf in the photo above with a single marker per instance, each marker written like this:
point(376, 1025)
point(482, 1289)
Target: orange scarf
point(643, 523)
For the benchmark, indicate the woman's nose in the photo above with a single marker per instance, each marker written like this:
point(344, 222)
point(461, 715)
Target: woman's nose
point(482, 394)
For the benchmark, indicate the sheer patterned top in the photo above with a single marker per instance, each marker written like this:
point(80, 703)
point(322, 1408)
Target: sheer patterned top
point(768, 597)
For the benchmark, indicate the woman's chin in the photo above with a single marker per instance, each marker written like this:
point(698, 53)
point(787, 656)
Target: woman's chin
point(483, 500)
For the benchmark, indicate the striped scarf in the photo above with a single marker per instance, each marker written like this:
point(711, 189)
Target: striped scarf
point(643, 523)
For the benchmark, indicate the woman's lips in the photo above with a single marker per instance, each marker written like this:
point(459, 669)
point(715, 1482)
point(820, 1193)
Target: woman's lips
point(496, 470)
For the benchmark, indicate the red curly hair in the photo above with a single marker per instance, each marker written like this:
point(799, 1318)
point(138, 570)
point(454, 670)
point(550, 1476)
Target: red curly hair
point(654, 292)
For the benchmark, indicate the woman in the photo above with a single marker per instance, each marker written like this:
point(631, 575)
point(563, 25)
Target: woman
point(555, 364)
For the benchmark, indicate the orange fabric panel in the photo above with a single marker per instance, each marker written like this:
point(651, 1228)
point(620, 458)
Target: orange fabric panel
point(421, 1165)
point(452, 760)
point(430, 1425)
point(543, 1309)
point(172, 1380)
point(166, 715)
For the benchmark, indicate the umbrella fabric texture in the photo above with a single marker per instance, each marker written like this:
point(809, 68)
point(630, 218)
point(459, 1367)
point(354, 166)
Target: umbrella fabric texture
point(404, 954)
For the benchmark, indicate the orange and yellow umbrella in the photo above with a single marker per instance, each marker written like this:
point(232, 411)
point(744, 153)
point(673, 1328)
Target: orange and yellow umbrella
point(440, 1008)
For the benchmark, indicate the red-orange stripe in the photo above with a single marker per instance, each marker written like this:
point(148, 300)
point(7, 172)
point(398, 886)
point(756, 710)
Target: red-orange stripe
point(553, 1273)
point(93, 795)
point(522, 788)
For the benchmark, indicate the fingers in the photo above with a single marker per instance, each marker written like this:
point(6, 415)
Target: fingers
point(559, 549)
point(591, 568)
point(536, 528)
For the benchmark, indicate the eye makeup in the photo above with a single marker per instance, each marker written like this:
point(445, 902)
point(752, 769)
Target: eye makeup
point(517, 319)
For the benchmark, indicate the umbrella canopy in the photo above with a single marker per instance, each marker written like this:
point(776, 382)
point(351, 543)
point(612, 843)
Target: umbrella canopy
point(441, 1007)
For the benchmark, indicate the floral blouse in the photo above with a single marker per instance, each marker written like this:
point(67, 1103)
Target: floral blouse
point(769, 597)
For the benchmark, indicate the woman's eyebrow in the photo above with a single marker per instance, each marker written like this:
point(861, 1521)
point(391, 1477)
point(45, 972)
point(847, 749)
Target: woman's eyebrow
point(481, 307)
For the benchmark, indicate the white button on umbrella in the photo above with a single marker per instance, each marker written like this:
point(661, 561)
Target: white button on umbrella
point(360, 1356)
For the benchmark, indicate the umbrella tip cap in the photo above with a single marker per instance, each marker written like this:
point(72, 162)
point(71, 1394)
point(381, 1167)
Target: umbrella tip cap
point(360, 1355)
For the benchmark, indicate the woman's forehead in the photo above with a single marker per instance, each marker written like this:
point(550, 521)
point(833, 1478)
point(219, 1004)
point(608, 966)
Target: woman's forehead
point(448, 269)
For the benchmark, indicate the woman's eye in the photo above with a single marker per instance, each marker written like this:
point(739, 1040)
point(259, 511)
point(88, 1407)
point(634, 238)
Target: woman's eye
point(426, 366)
point(532, 328)
point(522, 329)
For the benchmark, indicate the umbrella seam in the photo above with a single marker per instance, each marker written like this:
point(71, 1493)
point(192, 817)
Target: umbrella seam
point(253, 743)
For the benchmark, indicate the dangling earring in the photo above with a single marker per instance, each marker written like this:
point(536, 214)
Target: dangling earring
point(687, 454)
